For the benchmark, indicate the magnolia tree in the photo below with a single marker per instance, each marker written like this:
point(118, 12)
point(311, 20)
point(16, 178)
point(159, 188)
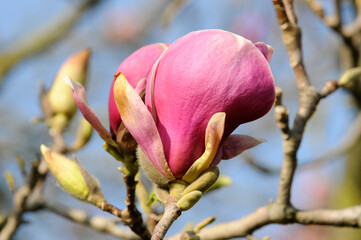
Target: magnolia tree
point(172, 110)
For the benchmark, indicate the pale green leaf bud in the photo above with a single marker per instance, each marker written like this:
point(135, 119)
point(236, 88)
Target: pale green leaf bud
point(72, 177)
point(349, 76)
point(83, 134)
point(10, 180)
point(204, 181)
point(67, 172)
point(222, 181)
point(60, 96)
point(203, 224)
point(188, 200)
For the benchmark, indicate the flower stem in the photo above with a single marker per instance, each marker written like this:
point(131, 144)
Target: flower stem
point(171, 213)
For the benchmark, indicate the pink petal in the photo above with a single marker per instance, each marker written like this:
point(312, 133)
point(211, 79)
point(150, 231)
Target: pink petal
point(235, 144)
point(136, 67)
point(214, 134)
point(141, 85)
point(265, 49)
point(140, 124)
point(81, 100)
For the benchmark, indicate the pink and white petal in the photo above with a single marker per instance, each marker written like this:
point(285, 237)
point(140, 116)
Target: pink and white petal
point(150, 91)
point(237, 143)
point(81, 100)
point(265, 49)
point(141, 85)
point(214, 133)
point(140, 124)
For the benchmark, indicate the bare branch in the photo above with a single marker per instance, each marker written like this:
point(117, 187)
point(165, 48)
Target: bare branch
point(171, 213)
point(97, 223)
point(348, 217)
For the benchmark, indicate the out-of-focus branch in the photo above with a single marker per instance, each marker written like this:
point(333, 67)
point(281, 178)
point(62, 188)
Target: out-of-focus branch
point(308, 100)
point(346, 32)
point(97, 223)
point(39, 39)
point(131, 216)
point(273, 213)
point(172, 10)
point(21, 196)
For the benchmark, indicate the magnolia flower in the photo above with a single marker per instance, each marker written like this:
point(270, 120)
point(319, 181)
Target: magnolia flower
point(198, 92)
point(136, 67)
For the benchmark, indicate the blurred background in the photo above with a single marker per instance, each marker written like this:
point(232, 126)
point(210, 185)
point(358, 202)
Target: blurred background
point(113, 29)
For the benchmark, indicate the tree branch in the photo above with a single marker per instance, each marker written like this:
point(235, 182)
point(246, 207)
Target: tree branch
point(98, 223)
point(171, 213)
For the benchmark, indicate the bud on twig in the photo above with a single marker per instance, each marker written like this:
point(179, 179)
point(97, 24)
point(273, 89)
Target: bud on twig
point(72, 177)
point(58, 102)
point(83, 134)
point(350, 76)
point(10, 180)
point(222, 181)
point(189, 200)
point(21, 164)
point(204, 181)
point(203, 224)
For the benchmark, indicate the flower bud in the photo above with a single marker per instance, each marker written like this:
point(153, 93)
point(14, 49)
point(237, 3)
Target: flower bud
point(198, 92)
point(350, 76)
point(60, 96)
point(188, 200)
point(204, 181)
point(72, 177)
point(83, 134)
point(10, 180)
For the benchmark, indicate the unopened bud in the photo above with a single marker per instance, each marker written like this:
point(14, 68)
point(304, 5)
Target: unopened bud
point(72, 177)
point(222, 181)
point(203, 224)
point(204, 181)
point(58, 122)
point(189, 200)
point(21, 164)
point(60, 95)
point(83, 134)
point(10, 181)
point(350, 76)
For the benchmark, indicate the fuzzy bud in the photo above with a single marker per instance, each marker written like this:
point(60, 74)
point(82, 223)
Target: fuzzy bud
point(189, 200)
point(72, 177)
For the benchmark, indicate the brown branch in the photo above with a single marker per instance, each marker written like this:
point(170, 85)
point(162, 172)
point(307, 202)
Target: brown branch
point(21, 196)
point(98, 223)
point(39, 39)
point(131, 216)
point(290, 11)
point(171, 213)
point(346, 32)
point(348, 217)
point(309, 98)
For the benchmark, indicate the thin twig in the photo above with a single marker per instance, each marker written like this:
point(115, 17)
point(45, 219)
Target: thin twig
point(14, 219)
point(99, 223)
point(308, 101)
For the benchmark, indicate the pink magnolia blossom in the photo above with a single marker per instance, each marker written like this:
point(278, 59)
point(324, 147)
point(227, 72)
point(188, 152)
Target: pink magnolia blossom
point(136, 68)
point(199, 91)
